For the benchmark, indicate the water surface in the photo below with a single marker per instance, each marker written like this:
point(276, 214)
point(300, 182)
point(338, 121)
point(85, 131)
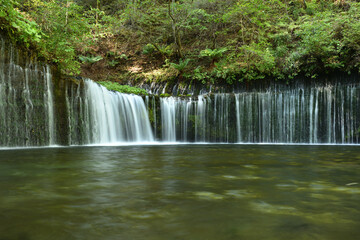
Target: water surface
point(180, 192)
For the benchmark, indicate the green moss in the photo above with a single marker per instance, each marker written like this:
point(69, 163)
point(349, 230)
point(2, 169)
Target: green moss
point(165, 95)
point(113, 86)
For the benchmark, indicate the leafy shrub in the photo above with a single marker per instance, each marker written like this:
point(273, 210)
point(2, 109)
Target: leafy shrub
point(166, 50)
point(112, 63)
point(11, 20)
point(90, 59)
point(201, 76)
point(123, 57)
point(213, 54)
point(148, 49)
point(181, 66)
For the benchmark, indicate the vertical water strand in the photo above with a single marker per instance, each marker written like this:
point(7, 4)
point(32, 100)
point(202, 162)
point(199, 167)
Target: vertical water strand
point(227, 117)
point(304, 128)
point(208, 108)
point(2, 92)
point(147, 103)
point(311, 105)
point(191, 107)
point(112, 102)
point(286, 116)
point(334, 117)
point(240, 108)
point(357, 115)
point(78, 116)
point(280, 109)
point(316, 113)
point(167, 106)
point(342, 116)
point(86, 116)
point(98, 115)
point(15, 120)
point(263, 117)
point(200, 119)
point(238, 125)
point(69, 109)
point(294, 96)
point(10, 112)
point(269, 121)
point(28, 104)
point(141, 129)
point(154, 116)
point(243, 118)
point(349, 112)
point(179, 116)
point(186, 118)
point(223, 114)
point(50, 104)
point(249, 108)
point(216, 115)
point(328, 92)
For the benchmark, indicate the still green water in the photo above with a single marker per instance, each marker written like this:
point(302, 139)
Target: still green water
point(181, 192)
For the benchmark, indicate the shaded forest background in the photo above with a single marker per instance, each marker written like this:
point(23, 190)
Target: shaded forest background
point(207, 41)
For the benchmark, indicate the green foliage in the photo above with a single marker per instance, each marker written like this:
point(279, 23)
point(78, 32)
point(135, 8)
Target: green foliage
point(14, 22)
point(258, 61)
point(148, 49)
point(225, 71)
point(65, 30)
point(166, 50)
point(90, 59)
point(112, 63)
point(200, 75)
point(214, 54)
point(226, 40)
point(113, 86)
point(181, 66)
point(123, 57)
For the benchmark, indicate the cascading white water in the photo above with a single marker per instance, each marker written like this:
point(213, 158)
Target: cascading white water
point(200, 120)
point(313, 114)
point(105, 116)
point(26, 100)
point(168, 110)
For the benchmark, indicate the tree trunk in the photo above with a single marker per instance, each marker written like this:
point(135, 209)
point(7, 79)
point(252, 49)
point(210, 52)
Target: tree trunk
point(176, 34)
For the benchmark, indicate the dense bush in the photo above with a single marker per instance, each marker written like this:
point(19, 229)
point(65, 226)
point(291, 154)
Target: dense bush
point(205, 41)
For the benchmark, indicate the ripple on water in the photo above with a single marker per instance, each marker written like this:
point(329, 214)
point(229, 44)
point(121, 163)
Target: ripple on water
point(208, 196)
point(265, 207)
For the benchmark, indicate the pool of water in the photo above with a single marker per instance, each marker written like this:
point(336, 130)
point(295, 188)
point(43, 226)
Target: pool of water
point(165, 192)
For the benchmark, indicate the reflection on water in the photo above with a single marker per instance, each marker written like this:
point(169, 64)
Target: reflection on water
point(180, 192)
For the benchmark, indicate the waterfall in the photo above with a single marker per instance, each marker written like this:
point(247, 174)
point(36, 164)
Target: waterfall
point(318, 114)
point(205, 119)
point(168, 110)
point(26, 100)
point(84, 112)
point(303, 114)
point(97, 115)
